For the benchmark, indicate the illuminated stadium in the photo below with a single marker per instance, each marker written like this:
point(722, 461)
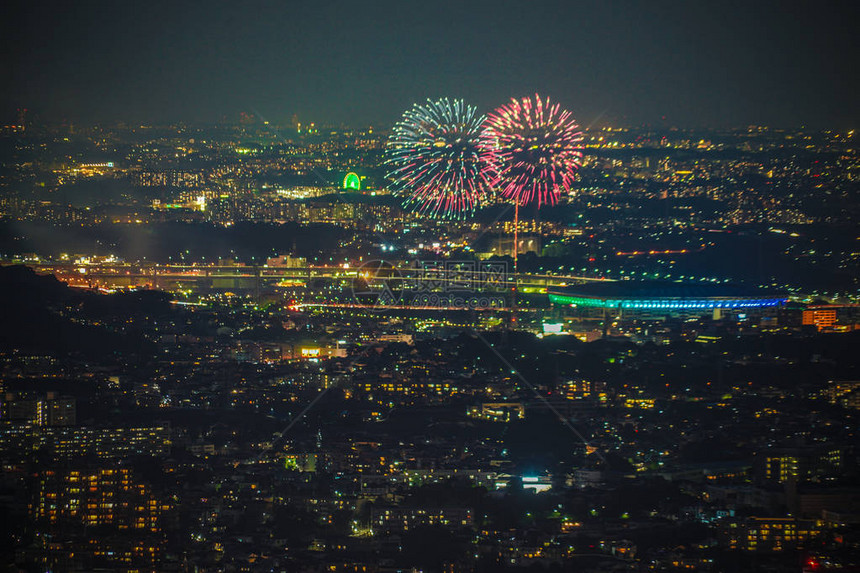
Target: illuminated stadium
point(663, 296)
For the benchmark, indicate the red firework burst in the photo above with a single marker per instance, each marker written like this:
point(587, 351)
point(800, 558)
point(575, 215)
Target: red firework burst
point(532, 149)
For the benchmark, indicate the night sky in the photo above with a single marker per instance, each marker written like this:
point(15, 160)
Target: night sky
point(685, 63)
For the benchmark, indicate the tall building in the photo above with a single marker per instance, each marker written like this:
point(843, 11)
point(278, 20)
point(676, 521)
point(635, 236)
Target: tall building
point(821, 318)
point(108, 518)
point(799, 464)
point(56, 411)
point(52, 410)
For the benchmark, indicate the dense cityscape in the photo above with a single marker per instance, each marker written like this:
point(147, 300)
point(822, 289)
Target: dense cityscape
point(211, 378)
point(274, 298)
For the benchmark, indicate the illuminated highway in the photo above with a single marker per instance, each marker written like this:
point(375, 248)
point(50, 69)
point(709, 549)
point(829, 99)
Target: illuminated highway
point(256, 277)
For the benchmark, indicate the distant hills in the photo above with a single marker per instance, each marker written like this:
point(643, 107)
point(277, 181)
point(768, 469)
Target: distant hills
point(39, 314)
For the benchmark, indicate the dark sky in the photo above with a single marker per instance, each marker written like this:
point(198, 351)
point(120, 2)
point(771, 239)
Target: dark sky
point(712, 63)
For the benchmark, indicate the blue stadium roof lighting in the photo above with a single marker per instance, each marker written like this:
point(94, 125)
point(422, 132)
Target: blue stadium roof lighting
point(663, 296)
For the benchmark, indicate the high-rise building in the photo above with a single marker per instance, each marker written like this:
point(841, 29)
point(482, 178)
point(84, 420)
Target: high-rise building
point(57, 411)
point(821, 318)
point(799, 464)
point(109, 518)
point(52, 410)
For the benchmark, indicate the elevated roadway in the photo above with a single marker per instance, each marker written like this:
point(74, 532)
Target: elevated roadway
point(246, 277)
